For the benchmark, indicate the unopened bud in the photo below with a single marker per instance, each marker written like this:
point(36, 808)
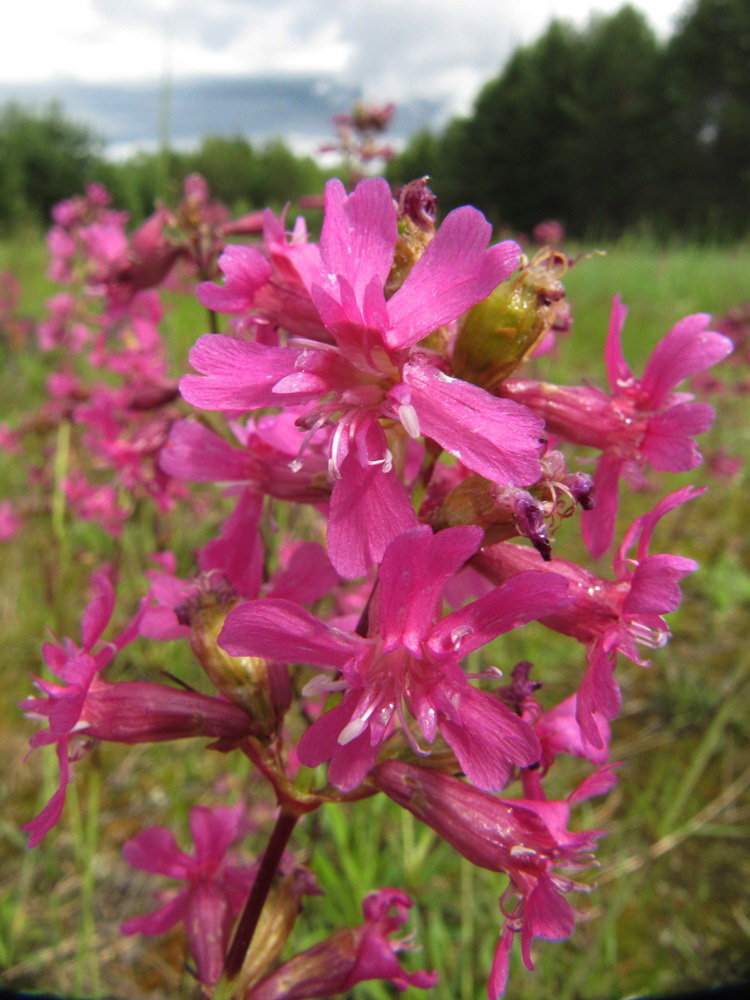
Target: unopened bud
point(503, 512)
point(242, 679)
point(500, 332)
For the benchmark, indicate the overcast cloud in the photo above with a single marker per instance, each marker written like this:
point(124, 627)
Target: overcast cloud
point(393, 49)
point(422, 54)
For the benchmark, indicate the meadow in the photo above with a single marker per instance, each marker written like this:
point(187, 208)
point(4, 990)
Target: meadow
point(672, 906)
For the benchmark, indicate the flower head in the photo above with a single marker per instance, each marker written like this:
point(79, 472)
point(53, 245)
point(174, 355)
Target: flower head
point(215, 885)
point(408, 664)
point(374, 376)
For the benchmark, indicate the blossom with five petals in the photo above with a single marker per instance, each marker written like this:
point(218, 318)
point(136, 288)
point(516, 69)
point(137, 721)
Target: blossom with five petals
point(642, 421)
point(408, 663)
point(375, 375)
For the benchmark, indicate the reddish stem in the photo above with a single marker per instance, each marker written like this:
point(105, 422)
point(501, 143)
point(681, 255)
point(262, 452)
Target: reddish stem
point(243, 936)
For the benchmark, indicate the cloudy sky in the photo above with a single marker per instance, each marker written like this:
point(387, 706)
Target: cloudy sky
point(400, 50)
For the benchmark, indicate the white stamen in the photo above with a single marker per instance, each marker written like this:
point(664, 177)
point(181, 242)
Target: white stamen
point(409, 420)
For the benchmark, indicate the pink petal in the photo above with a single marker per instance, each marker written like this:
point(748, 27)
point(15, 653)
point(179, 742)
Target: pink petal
point(648, 522)
point(369, 508)
point(284, 632)
point(238, 374)
point(454, 273)
point(598, 692)
point(488, 738)
point(525, 597)
point(320, 741)
point(618, 372)
point(155, 850)
point(158, 922)
point(687, 349)
point(238, 553)
point(245, 270)
point(497, 438)
point(500, 965)
point(654, 588)
point(214, 830)
point(198, 455)
point(207, 926)
point(559, 733)
point(602, 781)
point(598, 525)
point(547, 915)
point(415, 568)
point(308, 576)
point(359, 233)
point(668, 443)
point(42, 823)
point(97, 615)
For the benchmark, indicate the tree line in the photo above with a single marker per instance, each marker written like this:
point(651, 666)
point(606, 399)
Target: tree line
point(606, 129)
point(45, 157)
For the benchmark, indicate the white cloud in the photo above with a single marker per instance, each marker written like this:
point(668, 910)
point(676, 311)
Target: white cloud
point(439, 49)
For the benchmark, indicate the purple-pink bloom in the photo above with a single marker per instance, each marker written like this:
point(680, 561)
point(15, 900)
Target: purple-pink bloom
point(350, 956)
point(607, 616)
point(640, 422)
point(375, 371)
point(77, 667)
point(268, 446)
point(215, 890)
point(525, 838)
point(408, 663)
point(86, 708)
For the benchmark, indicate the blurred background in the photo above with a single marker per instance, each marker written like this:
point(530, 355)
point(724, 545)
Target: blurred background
point(624, 128)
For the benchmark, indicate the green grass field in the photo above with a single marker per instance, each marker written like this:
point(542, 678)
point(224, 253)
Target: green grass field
point(672, 907)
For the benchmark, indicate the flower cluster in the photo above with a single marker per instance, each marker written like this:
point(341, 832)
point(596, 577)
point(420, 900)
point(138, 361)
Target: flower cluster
point(371, 380)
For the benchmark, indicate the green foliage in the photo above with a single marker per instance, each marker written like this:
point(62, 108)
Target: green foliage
point(44, 157)
point(242, 176)
point(605, 128)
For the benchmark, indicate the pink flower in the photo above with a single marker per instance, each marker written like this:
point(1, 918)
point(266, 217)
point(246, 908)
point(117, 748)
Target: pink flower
point(216, 885)
point(63, 706)
point(408, 662)
point(231, 568)
point(86, 708)
point(267, 448)
point(10, 521)
point(527, 839)
point(607, 615)
point(349, 956)
point(641, 422)
point(375, 371)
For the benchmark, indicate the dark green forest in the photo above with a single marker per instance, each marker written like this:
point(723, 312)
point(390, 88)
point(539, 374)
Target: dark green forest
point(604, 128)
point(607, 129)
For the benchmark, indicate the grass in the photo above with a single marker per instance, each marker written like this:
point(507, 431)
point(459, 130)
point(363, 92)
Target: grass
point(672, 910)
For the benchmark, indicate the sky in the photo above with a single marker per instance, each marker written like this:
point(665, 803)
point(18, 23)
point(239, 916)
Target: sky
point(391, 50)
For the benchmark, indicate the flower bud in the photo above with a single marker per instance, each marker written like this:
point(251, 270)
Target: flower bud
point(349, 956)
point(500, 332)
point(243, 679)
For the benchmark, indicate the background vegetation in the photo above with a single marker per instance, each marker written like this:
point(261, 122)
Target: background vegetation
point(610, 131)
point(672, 909)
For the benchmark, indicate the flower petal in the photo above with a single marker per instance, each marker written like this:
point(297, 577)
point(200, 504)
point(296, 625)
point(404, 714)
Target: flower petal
point(415, 568)
point(286, 633)
point(456, 271)
point(369, 508)
point(497, 438)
